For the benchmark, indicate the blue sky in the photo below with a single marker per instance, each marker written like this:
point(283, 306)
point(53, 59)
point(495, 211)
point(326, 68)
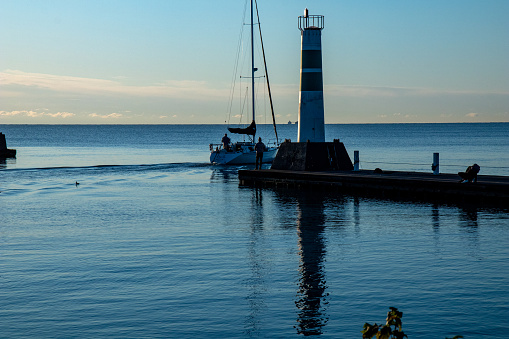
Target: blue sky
point(167, 61)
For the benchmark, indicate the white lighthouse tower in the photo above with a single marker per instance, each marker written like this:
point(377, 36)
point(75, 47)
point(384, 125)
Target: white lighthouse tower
point(311, 152)
point(311, 110)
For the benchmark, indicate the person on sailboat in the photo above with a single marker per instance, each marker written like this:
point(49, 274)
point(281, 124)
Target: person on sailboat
point(259, 148)
point(226, 142)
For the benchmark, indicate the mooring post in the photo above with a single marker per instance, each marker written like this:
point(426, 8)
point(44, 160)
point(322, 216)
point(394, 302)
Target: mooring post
point(355, 160)
point(436, 164)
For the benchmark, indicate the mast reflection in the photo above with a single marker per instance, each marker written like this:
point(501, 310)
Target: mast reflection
point(259, 264)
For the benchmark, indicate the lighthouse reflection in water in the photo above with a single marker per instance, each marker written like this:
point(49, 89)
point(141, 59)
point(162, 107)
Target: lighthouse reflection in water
point(311, 299)
point(305, 219)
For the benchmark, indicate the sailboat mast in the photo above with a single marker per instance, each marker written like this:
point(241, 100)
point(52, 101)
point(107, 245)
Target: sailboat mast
point(252, 65)
point(266, 74)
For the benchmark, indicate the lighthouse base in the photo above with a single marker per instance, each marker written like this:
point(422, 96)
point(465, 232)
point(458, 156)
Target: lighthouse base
point(312, 156)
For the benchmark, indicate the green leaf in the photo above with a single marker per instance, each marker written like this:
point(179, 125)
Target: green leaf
point(369, 330)
point(384, 333)
point(399, 335)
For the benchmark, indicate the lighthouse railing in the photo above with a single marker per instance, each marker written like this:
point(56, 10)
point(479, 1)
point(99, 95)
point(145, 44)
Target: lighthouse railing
point(311, 22)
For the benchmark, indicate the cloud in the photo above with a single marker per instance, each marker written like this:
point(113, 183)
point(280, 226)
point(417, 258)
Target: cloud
point(196, 90)
point(106, 116)
point(13, 113)
point(388, 91)
point(61, 115)
point(36, 114)
point(360, 91)
point(472, 115)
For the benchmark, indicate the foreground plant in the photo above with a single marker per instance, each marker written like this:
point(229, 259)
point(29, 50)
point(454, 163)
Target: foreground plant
point(391, 329)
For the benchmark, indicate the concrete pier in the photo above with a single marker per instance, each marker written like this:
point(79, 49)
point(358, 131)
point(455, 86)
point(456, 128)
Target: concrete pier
point(446, 188)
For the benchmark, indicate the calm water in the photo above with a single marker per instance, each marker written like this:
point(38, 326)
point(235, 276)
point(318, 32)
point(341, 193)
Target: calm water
point(157, 243)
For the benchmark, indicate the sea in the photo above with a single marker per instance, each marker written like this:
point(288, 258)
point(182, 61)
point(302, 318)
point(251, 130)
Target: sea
point(127, 231)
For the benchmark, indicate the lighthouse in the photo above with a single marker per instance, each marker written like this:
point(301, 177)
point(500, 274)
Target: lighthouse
point(311, 109)
point(311, 152)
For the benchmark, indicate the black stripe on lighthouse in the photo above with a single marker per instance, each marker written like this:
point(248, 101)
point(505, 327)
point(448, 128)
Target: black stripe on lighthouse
point(311, 81)
point(311, 59)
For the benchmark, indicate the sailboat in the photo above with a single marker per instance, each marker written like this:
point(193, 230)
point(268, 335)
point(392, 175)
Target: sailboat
point(243, 152)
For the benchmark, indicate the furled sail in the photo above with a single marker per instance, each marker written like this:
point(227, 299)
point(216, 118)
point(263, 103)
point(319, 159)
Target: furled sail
point(249, 130)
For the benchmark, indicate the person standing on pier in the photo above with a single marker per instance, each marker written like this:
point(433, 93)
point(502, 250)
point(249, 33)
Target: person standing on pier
point(226, 142)
point(259, 148)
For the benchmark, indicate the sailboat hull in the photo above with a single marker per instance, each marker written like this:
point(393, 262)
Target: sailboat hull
point(222, 157)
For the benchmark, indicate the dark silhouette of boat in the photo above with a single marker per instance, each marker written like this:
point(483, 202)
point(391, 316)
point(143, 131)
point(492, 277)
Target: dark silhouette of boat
point(4, 151)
